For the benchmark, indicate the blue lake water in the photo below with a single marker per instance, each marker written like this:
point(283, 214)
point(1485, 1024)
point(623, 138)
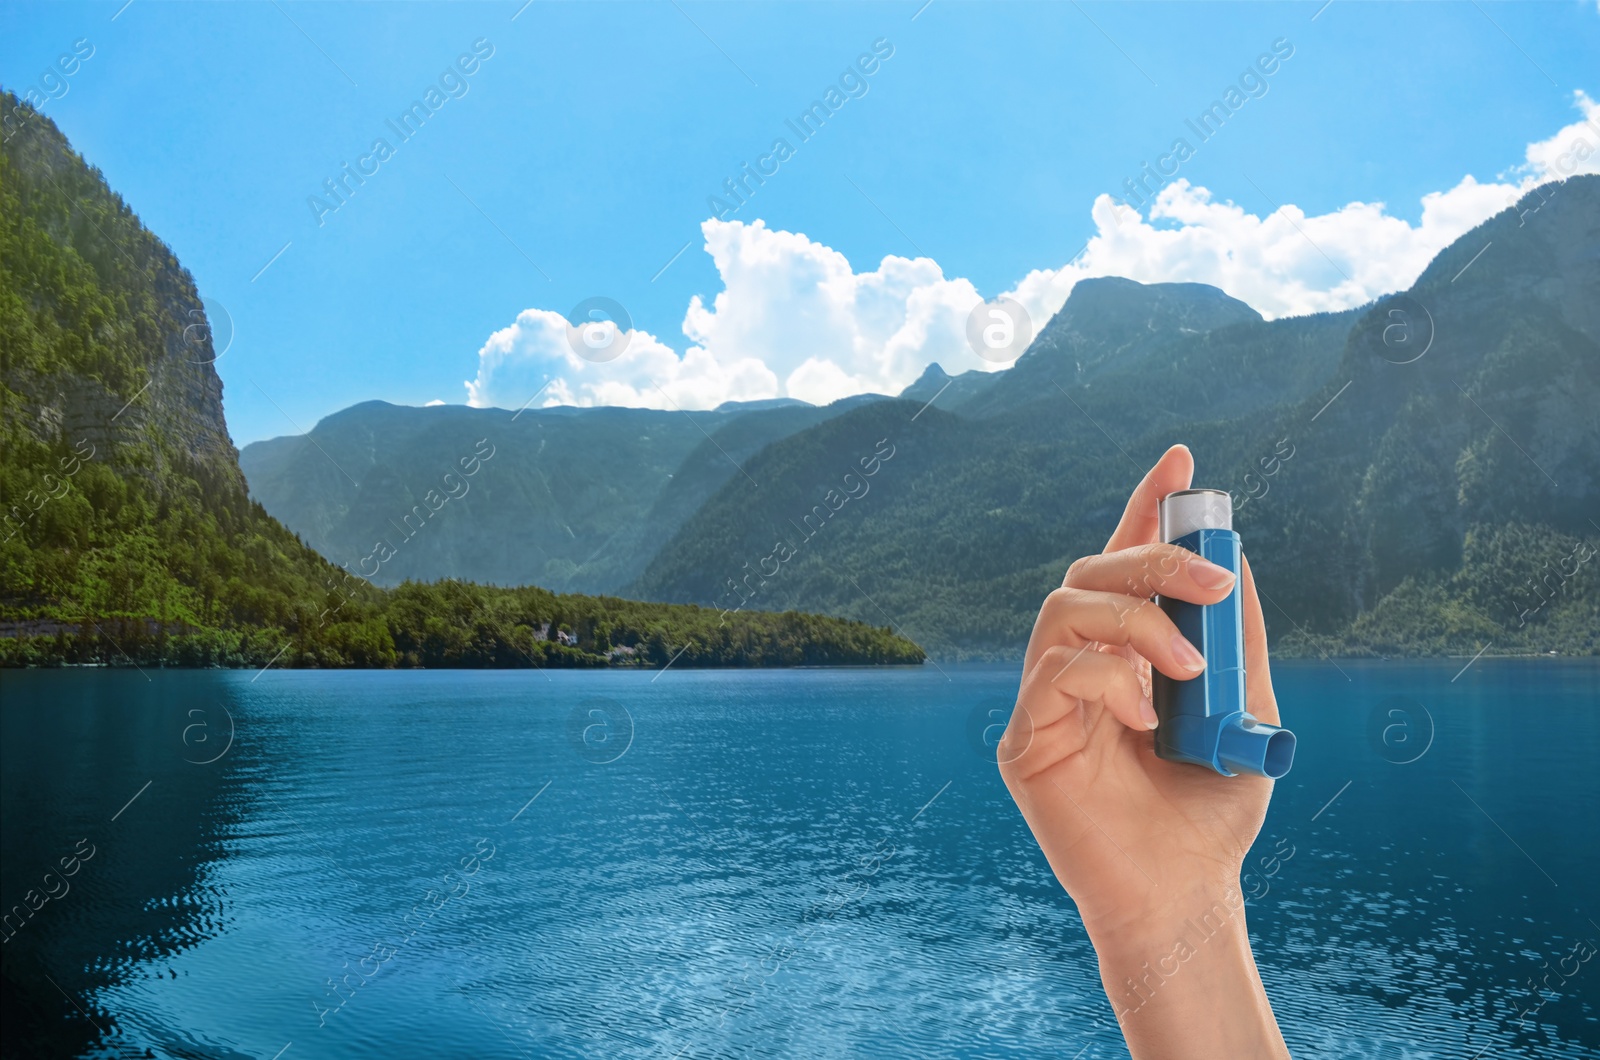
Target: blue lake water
point(719, 864)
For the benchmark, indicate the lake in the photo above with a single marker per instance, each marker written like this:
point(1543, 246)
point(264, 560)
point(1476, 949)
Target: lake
point(769, 863)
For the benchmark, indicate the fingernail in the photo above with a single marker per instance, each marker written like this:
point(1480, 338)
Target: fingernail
point(1147, 714)
point(1208, 575)
point(1187, 656)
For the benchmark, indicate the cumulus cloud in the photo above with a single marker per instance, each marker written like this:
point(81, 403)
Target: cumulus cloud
point(793, 317)
point(1575, 149)
point(537, 359)
point(1283, 263)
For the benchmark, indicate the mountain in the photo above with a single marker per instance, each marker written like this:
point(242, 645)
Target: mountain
point(987, 499)
point(575, 499)
point(952, 391)
point(130, 537)
point(581, 499)
point(761, 403)
point(1391, 503)
point(1413, 476)
point(127, 518)
point(1452, 496)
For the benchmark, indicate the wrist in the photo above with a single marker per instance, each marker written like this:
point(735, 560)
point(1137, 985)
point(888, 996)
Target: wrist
point(1181, 978)
point(1217, 900)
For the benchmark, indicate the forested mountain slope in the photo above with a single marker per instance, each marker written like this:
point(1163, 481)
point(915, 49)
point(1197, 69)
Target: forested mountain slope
point(1443, 501)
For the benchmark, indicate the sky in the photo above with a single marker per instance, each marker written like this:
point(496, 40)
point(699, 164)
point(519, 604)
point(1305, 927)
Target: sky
point(552, 223)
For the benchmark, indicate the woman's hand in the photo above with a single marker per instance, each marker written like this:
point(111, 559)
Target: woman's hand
point(1148, 849)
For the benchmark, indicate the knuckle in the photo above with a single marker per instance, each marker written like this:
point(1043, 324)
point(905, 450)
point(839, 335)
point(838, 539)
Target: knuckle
point(1066, 667)
point(1062, 598)
point(1076, 569)
point(1061, 654)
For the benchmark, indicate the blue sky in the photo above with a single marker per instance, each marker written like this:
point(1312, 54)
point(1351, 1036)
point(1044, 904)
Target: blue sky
point(582, 156)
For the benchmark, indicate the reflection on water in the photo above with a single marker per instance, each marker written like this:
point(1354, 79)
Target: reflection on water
point(747, 864)
point(114, 815)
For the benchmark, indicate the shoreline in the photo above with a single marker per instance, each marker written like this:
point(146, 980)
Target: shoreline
point(919, 666)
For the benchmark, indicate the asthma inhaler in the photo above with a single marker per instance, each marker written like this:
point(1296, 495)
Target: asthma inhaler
point(1204, 720)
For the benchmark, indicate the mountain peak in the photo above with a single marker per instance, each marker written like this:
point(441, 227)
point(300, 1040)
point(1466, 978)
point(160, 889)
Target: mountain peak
point(1118, 301)
point(761, 403)
point(934, 375)
point(952, 391)
point(1111, 320)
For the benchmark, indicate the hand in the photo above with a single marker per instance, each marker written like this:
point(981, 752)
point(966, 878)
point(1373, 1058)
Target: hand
point(1142, 845)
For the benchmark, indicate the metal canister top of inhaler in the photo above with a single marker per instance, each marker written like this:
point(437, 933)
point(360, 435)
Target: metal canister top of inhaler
point(1203, 720)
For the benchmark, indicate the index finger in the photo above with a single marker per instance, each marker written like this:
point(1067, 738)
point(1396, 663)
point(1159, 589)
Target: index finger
point(1141, 519)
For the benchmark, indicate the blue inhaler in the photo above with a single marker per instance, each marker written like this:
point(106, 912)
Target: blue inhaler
point(1204, 720)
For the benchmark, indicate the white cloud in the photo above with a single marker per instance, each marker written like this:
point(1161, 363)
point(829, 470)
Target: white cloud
point(1288, 264)
point(1575, 149)
point(1283, 263)
point(532, 360)
point(794, 318)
